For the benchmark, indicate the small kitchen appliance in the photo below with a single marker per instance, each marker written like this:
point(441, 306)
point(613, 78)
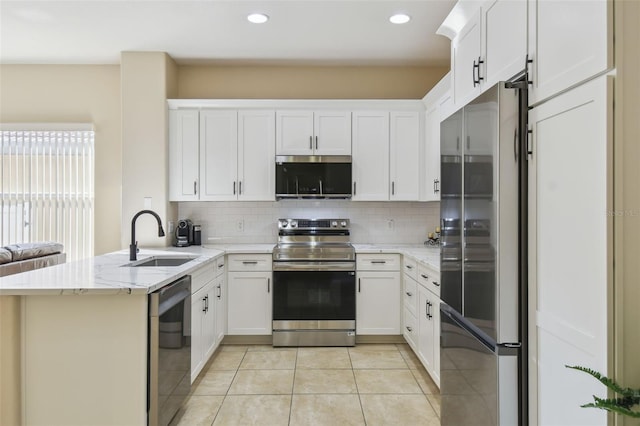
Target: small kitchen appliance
point(184, 233)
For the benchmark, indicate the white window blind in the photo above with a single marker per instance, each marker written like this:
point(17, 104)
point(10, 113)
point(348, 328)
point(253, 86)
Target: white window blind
point(47, 188)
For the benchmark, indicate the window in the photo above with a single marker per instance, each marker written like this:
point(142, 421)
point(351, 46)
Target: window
point(47, 186)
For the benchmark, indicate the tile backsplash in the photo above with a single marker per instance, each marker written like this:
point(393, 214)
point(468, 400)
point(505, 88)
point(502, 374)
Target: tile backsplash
point(255, 222)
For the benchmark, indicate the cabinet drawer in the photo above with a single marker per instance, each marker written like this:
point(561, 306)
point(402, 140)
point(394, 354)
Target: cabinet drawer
point(378, 262)
point(202, 276)
point(410, 293)
point(410, 267)
point(429, 279)
point(410, 328)
point(249, 262)
point(220, 266)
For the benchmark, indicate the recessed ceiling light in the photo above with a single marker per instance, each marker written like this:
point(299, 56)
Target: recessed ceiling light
point(399, 18)
point(257, 18)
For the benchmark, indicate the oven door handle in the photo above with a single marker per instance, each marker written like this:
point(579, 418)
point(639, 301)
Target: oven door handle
point(314, 266)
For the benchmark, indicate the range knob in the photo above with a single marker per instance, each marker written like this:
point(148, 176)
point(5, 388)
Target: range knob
point(284, 223)
point(293, 224)
point(343, 223)
point(334, 223)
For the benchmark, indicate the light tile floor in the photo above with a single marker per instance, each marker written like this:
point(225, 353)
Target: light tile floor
point(261, 385)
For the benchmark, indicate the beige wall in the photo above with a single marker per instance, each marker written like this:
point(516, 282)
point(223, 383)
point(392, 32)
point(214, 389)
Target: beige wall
point(10, 365)
point(76, 94)
point(247, 82)
point(146, 85)
point(627, 199)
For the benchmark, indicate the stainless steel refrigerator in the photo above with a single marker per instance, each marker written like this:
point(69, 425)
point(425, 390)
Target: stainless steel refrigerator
point(483, 260)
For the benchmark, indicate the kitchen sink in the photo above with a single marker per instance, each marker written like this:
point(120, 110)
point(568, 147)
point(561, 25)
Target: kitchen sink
point(162, 261)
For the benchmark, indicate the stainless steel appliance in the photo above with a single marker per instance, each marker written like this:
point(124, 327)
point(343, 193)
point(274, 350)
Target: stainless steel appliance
point(313, 176)
point(483, 260)
point(169, 351)
point(314, 284)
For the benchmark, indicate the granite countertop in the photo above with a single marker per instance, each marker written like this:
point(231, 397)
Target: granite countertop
point(108, 273)
point(105, 274)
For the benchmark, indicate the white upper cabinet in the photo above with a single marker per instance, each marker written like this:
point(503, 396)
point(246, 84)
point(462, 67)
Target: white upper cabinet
point(222, 155)
point(301, 132)
point(466, 55)
point(370, 168)
point(332, 132)
point(218, 154)
point(504, 32)
point(404, 159)
point(184, 143)
point(432, 156)
point(491, 47)
point(569, 42)
point(437, 102)
point(256, 155)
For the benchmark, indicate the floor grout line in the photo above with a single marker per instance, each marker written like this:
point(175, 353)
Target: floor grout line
point(408, 364)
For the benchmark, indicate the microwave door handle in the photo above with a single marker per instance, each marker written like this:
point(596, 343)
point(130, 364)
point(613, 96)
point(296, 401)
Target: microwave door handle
point(320, 180)
point(297, 192)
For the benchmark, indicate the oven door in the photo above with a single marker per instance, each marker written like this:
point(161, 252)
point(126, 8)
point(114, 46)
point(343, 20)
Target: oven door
point(314, 295)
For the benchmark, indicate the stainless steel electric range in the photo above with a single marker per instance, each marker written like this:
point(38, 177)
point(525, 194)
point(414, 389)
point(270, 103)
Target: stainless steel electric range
point(314, 284)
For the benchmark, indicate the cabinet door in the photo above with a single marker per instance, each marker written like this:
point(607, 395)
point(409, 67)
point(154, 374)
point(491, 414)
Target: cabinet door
point(218, 155)
point(209, 322)
point(256, 155)
point(432, 154)
point(466, 54)
point(294, 133)
point(370, 166)
point(426, 326)
point(220, 287)
point(198, 308)
point(378, 303)
point(405, 150)
point(249, 303)
point(569, 42)
point(504, 28)
point(332, 133)
point(569, 178)
point(183, 155)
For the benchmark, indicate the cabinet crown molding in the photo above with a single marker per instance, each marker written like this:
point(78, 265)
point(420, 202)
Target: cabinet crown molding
point(311, 104)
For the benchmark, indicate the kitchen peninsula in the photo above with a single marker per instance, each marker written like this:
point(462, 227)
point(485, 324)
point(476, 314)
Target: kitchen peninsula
point(84, 355)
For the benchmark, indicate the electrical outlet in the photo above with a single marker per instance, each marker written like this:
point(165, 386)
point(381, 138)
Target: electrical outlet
point(240, 225)
point(171, 227)
point(390, 223)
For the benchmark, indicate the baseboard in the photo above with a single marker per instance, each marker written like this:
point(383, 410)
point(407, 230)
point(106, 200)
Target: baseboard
point(268, 340)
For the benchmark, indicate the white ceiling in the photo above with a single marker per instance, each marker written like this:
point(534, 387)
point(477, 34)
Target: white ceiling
point(300, 32)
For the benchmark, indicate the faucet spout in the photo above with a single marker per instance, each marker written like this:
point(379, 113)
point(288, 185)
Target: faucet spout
point(133, 247)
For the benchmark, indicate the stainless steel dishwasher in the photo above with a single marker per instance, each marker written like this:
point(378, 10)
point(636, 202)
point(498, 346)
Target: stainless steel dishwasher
point(169, 351)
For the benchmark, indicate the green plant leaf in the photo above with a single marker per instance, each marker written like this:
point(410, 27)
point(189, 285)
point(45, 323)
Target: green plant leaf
point(630, 397)
point(602, 379)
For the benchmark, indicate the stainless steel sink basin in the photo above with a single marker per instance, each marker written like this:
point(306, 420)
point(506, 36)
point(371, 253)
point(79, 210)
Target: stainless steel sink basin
point(162, 261)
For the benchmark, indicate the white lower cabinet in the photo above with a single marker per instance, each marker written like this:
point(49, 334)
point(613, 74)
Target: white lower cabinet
point(378, 294)
point(203, 325)
point(429, 332)
point(249, 303)
point(421, 314)
point(220, 301)
point(249, 298)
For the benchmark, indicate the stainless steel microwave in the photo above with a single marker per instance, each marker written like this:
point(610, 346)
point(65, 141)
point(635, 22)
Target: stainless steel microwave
point(313, 176)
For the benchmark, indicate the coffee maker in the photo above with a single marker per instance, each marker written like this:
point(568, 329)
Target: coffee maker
point(184, 233)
